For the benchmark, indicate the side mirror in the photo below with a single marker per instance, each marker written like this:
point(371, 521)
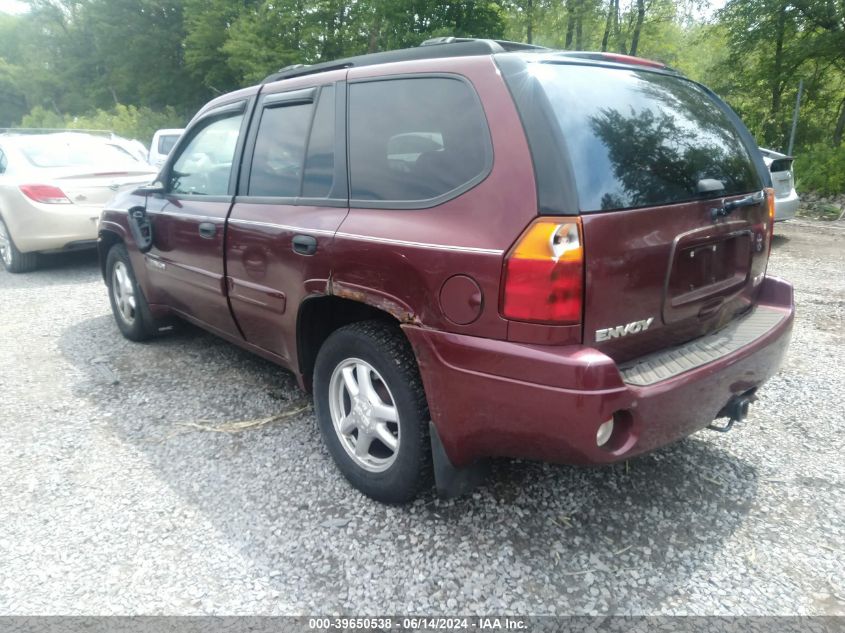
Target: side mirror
point(153, 188)
point(141, 228)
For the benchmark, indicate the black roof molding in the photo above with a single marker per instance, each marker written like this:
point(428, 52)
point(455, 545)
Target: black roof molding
point(430, 49)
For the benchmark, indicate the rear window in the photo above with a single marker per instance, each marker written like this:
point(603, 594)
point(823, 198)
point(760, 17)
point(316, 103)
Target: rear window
point(415, 142)
point(70, 151)
point(638, 138)
point(166, 143)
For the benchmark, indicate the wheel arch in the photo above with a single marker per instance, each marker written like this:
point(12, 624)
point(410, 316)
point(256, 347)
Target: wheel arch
point(319, 316)
point(106, 239)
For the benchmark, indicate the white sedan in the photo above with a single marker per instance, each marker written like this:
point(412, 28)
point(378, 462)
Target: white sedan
point(783, 181)
point(52, 188)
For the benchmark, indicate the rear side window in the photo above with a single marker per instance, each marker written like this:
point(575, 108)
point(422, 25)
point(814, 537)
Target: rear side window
point(319, 163)
point(637, 138)
point(415, 142)
point(280, 151)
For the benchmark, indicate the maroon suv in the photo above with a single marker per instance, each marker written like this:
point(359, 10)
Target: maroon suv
point(469, 249)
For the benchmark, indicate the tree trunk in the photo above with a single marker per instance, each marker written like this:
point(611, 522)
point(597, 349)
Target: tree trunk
point(579, 26)
point(770, 132)
point(611, 9)
point(570, 23)
point(840, 126)
point(529, 25)
point(372, 45)
point(635, 38)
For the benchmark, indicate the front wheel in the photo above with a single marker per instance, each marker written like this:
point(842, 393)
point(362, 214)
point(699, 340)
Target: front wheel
point(13, 260)
point(372, 410)
point(128, 304)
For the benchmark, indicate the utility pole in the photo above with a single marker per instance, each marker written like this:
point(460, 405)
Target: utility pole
point(795, 117)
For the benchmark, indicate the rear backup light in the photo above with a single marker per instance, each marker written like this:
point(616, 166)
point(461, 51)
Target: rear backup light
point(544, 274)
point(46, 194)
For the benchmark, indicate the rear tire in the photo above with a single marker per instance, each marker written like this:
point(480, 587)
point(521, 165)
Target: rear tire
point(372, 410)
point(129, 306)
point(13, 260)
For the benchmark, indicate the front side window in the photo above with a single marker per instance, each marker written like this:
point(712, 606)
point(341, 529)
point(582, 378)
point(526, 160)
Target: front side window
point(205, 164)
point(414, 140)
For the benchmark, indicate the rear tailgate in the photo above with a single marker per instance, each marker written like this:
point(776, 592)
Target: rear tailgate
point(660, 276)
point(657, 163)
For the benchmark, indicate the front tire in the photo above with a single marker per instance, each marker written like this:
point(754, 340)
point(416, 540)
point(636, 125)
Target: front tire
point(129, 307)
point(372, 410)
point(13, 260)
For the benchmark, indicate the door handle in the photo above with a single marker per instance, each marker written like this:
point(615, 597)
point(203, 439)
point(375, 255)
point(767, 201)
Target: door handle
point(304, 244)
point(208, 230)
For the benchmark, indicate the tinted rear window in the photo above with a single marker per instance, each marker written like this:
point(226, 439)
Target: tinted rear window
point(637, 138)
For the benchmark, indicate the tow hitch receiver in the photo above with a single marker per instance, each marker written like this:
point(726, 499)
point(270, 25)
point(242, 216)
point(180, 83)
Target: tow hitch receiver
point(736, 410)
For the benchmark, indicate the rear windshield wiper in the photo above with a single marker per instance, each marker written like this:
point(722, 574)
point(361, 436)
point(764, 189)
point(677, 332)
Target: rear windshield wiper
point(748, 201)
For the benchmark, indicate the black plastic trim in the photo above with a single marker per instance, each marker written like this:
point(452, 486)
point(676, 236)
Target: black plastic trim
point(450, 480)
point(463, 48)
point(553, 174)
point(294, 97)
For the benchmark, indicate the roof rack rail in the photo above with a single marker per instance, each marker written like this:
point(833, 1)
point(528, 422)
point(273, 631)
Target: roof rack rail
point(53, 130)
point(429, 49)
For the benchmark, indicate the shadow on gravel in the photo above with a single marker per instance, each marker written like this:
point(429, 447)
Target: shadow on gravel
point(779, 240)
point(67, 261)
point(536, 538)
point(57, 270)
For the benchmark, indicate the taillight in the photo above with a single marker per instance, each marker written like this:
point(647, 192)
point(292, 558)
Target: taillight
point(544, 274)
point(770, 206)
point(46, 194)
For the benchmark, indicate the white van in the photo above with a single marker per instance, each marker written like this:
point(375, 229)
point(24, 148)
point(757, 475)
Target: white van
point(163, 142)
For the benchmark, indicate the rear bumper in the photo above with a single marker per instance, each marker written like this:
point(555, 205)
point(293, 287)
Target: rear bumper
point(496, 398)
point(786, 207)
point(50, 227)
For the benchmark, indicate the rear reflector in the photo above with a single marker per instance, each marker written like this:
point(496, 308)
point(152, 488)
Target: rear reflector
point(544, 274)
point(45, 194)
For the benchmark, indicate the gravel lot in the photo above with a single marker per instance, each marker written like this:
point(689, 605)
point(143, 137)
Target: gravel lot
point(110, 504)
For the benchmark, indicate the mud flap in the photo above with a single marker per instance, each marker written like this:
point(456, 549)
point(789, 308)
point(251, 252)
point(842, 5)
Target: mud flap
point(450, 480)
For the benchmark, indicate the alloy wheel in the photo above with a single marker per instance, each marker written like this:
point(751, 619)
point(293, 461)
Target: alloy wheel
point(124, 293)
point(364, 415)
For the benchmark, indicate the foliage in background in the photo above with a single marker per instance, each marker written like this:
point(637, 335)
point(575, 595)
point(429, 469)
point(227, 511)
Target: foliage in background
point(821, 168)
point(127, 121)
point(79, 60)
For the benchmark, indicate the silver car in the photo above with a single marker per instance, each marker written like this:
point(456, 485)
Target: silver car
point(52, 188)
point(786, 198)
